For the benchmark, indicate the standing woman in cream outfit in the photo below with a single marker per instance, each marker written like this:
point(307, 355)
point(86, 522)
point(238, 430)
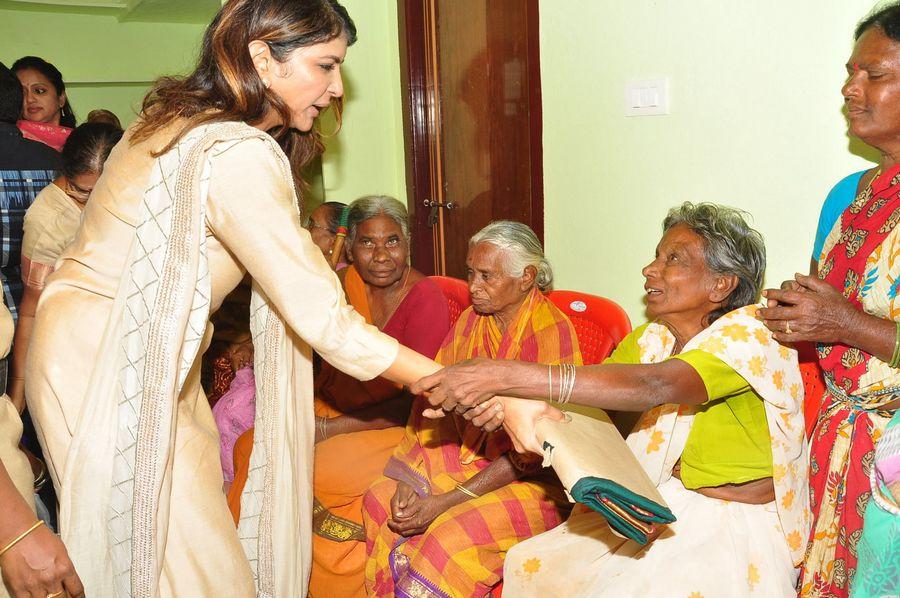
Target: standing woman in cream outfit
point(33, 560)
point(199, 192)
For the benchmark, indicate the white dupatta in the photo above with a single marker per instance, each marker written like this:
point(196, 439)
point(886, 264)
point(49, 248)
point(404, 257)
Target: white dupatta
point(115, 490)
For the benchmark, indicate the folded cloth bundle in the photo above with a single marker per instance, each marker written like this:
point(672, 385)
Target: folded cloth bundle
point(599, 470)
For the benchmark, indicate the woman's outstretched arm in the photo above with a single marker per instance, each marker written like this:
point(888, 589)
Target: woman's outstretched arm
point(621, 387)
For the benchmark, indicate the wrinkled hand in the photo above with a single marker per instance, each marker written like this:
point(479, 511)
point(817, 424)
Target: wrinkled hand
point(40, 566)
point(404, 497)
point(415, 518)
point(787, 285)
point(463, 385)
point(518, 418)
point(807, 309)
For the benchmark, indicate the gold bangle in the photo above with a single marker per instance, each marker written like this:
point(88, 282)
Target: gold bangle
point(466, 491)
point(36, 525)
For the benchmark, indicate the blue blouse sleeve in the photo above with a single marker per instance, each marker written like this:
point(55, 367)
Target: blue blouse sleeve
point(837, 201)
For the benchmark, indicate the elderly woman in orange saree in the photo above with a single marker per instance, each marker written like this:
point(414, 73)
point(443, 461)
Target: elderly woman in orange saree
point(454, 499)
point(361, 423)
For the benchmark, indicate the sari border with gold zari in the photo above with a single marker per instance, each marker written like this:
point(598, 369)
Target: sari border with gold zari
point(331, 527)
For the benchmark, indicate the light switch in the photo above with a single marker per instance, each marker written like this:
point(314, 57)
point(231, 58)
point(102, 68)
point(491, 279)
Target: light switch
point(646, 97)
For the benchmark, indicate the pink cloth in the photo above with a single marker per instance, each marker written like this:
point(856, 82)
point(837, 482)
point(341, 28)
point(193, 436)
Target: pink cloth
point(53, 135)
point(420, 322)
point(234, 414)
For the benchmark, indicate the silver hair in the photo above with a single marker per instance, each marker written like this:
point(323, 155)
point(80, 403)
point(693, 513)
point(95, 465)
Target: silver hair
point(370, 206)
point(521, 248)
point(730, 246)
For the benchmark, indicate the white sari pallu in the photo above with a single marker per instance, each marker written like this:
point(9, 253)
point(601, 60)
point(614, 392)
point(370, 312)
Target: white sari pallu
point(158, 324)
point(716, 547)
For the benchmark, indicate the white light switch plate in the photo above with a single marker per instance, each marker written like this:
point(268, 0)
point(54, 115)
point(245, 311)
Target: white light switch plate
point(646, 97)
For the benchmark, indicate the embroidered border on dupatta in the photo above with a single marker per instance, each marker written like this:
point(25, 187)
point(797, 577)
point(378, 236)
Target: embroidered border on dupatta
point(256, 526)
point(167, 243)
point(165, 315)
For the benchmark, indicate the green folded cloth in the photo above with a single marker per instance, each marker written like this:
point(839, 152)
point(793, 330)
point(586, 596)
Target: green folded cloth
point(597, 469)
point(632, 515)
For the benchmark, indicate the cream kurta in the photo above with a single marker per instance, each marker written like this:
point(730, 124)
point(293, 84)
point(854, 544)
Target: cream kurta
point(251, 223)
point(50, 226)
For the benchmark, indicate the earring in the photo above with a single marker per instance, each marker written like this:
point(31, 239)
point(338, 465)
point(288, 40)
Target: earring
point(266, 83)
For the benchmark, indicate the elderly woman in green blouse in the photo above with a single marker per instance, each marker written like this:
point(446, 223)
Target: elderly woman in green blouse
point(722, 438)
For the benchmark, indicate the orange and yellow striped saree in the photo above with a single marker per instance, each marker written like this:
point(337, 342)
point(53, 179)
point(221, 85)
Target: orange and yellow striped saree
point(461, 553)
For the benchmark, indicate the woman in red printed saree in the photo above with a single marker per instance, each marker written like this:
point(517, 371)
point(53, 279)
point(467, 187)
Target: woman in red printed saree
point(849, 306)
point(454, 499)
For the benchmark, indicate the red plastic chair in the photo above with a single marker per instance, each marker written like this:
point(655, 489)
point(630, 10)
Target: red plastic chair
point(457, 293)
point(600, 323)
point(813, 384)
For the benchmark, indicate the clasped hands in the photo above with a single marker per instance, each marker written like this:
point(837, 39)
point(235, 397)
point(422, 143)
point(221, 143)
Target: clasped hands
point(411, 514)
point(474, 389)
point(808, 309)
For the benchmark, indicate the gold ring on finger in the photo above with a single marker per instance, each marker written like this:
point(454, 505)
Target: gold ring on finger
point(55, 594)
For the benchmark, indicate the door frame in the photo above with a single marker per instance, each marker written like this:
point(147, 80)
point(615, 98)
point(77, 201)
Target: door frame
point(421, 116)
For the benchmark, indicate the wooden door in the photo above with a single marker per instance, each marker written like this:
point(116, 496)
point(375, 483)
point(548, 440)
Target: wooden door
point(472, 120)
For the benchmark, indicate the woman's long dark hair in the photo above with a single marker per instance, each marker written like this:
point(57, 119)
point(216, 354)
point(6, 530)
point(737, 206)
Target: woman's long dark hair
point(35, 63)
point(225, 85)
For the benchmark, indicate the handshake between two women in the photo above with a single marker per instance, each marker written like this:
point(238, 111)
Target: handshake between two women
point(482, 390)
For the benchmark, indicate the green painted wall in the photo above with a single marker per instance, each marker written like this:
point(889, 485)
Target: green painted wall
point(367, 156)
point(755, 123)
point(109, 64)
point(755, 115)
point(105, 63)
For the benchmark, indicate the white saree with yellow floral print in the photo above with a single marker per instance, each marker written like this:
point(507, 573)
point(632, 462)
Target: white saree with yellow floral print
point(716, 547)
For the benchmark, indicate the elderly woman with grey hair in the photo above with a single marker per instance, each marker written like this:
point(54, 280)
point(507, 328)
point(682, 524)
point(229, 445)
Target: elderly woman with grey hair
point(722, 435)
point(454, 499)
